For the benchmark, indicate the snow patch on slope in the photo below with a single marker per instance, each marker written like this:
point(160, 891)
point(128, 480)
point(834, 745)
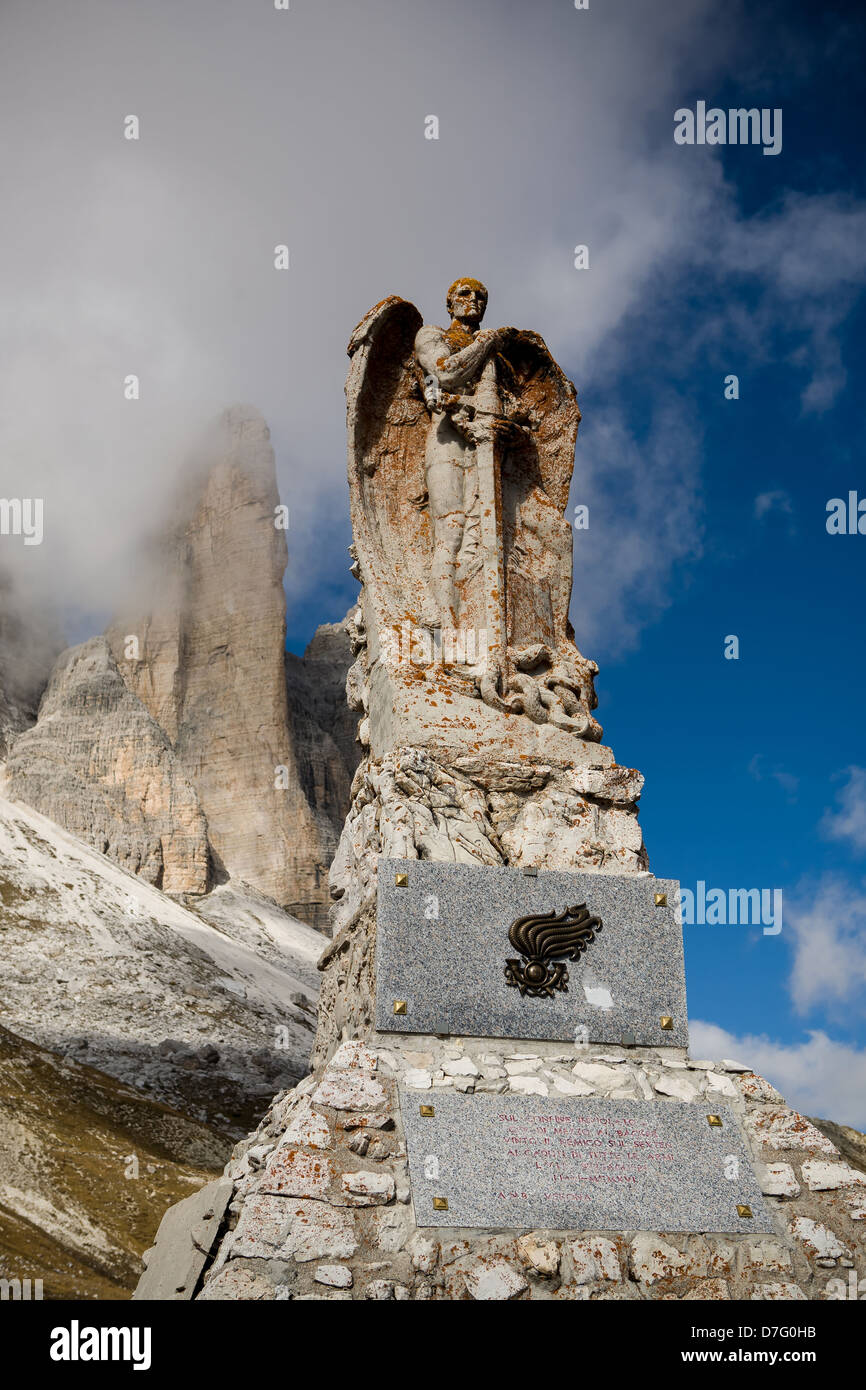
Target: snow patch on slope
point(210, 1009)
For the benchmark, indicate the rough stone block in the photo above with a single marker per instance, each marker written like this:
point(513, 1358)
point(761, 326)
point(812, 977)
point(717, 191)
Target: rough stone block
point(594, 1258)
point(491, 1278)
point(820, 1176)
point(183, 1242)
point(335, 1276)
point(653, 1259)
point(362, 1189)
point(349, 1090)
point(777, 1180)
point(818, 1240)
point(320, 1232)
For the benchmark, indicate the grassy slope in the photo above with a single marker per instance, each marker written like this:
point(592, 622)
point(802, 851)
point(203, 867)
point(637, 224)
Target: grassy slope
point(71, 1214)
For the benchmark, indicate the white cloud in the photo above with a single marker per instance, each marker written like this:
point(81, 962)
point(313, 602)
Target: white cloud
point(806, 261)
point(777, 500)
point(639, 530)
point(825, 921)
point(155, 256)
point(849, 821)
point(818, 1076)
point(786, 780)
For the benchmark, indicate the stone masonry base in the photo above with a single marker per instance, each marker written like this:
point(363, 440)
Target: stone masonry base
point(322, 1206)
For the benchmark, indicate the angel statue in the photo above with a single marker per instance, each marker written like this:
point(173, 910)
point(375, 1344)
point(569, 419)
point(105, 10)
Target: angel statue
point(461, 451)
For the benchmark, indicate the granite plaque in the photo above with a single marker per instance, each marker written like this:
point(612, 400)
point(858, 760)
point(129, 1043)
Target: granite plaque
point(443, 953)
point(544, 1163)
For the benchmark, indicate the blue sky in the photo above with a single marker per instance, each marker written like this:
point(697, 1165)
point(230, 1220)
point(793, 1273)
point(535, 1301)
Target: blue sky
point(744, 758)
point(707, 516)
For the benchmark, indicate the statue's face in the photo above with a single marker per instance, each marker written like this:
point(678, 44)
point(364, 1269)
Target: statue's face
point(467, 300)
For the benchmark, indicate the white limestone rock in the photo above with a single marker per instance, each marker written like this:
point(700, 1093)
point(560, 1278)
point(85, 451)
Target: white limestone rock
point(777, 1180)
point(540, 1255)
point(821, 1176)
point(761, 1257)
point(653, 1258)
point(569, 1086)
point(423, 1252)
point(818, 1240)
point(780, 1128)
point(777, 1293)
point(350, 1055)
point(493, 1279)
point(291, 1172)
point(677, 1086)
point(319, 1232)
point(755, 1087)
point(595, 1258)
point(528, 1085)
point(601, 1076)
point(367, 1189)
point(721, 1084)
point(349, 1090)
point(335, 1276)
point(460, 1066)
point(417, 1079)
point(307, 1127)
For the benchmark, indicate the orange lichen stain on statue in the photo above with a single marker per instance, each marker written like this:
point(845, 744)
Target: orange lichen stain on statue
point(468, 281)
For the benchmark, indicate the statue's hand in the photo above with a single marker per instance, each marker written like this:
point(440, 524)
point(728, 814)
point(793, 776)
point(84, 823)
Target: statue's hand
point(508, 431)
point(503, 430)
point(464, 422)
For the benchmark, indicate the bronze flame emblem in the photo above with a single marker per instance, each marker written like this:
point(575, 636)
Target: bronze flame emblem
point(541, 937)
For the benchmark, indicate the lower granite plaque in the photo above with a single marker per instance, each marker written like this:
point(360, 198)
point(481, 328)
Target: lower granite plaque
point(533, 1162)
point(495, 953)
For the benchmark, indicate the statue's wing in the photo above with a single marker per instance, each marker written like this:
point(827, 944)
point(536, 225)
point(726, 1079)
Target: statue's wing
point(546, 394)
point(536, 476)
point(387, 430)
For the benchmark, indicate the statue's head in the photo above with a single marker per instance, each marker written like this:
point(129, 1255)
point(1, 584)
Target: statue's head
point(466, 301)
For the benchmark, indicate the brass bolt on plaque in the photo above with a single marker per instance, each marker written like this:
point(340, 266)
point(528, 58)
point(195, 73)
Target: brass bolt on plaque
point(426, 1111)
point(399, 1006)
point(744, 1210)
point(441, 1204)
point(666, 1023)
point(714, 1121)
point(660, 899)
point(401, 880)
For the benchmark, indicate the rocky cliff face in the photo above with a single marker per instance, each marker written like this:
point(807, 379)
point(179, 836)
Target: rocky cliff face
point(323, 736)
point(316, 684)
point(99, 765)
point(186, 744)
point(210, 669)
point(28, 648)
